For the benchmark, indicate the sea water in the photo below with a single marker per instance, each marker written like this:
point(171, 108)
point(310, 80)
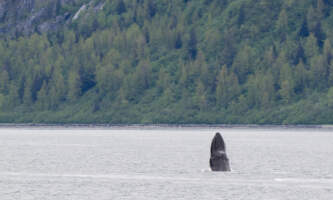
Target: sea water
point(55, 163)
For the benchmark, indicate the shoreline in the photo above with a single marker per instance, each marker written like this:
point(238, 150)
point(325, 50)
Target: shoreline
point(159, 126)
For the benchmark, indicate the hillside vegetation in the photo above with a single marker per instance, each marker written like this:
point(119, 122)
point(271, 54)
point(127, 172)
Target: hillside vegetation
point(172, 61)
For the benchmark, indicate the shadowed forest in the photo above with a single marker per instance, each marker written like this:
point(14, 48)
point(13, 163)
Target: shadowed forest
point(174, 61)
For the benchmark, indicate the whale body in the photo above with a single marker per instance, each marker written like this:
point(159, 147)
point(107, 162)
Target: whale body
point(218, 156)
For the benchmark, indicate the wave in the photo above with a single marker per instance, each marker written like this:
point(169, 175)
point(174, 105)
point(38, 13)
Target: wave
point(98, 176)
point(304, 180)
point(210, 180)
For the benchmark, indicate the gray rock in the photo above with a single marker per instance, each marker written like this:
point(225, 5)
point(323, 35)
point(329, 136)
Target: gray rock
point(2, 10)
point(24, 17)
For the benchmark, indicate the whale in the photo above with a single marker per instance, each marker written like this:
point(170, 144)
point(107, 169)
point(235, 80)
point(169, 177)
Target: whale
point(219, 160)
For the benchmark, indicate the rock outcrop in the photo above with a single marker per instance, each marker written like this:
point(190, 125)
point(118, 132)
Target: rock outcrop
point(218, 156)
point(24, 17)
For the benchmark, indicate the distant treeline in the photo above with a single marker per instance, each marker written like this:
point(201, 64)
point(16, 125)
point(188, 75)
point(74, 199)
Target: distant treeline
point(175, 61)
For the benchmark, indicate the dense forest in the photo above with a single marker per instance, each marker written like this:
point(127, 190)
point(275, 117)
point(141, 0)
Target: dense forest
point(173, 61)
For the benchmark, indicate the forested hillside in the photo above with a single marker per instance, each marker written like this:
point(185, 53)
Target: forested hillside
point(167, 61)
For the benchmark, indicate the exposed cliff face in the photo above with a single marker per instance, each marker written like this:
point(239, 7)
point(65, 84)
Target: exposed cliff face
point(23, 17)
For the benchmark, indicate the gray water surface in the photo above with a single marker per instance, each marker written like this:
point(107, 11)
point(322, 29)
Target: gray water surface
point(165, 163)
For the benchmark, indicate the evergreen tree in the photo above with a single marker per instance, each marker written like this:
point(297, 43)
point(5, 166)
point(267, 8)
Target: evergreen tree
point(57, 91)
point(286, 91)
point(243, 63)
point(319, 34)
point(120, 7)
point(304, 31)
point(311, 48)
point(301, 78)
point(13, 98)
point(227, 87)
point(42, 97)
point(200, 96)
point(222, 87)
point(150, 8)
point(269, 58)
point(312, 18)
point(27, 98)
point(74, 85)
point(4, 82)
point(327, 51)
point(330, 77)
point(267, 90)
point(192, 45)
point(318, 72)
point(321, 8)
point(282, 23)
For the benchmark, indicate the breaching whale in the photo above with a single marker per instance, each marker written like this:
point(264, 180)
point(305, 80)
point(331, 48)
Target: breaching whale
point(218, 156)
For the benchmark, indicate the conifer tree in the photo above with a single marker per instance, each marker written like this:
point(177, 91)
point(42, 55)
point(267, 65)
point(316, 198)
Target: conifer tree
point(311, 48)
point(282, 23)
point(13, 98)
point(42, 97)
point(227, 87)
point(327, 51)
point(200, 96)
point(268, 91)
point(321, 8)
point(74, 86)
point(301, 77)
point(120, 7)
point(4, 82)
point(57, 91)
point(330, 77)
point(243, 64)
point(312, 18)
point(286, 91)
point(27, 98)
point(318, 72)
point(304, 31)
point(192, 44)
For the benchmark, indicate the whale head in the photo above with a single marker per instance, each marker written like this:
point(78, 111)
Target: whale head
point(218, 157)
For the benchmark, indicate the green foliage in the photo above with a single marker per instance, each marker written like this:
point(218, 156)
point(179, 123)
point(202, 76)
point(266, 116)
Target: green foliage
point(160, 62)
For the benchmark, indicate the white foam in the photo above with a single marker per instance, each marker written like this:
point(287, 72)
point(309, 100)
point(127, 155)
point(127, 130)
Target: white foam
point(277, 182)
point(303, 180)
point(206, 170)
point(98, 176)
point(52, 145)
